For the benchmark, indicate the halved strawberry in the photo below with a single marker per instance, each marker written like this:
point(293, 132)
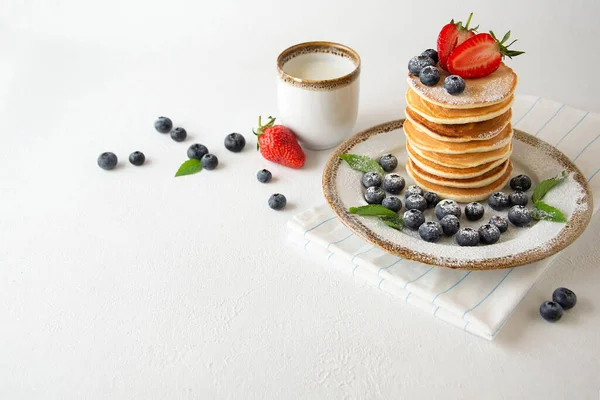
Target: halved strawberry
point(451, 36)
point(480, 55)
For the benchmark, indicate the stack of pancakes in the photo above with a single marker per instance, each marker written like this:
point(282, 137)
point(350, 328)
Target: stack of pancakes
point(459, 146)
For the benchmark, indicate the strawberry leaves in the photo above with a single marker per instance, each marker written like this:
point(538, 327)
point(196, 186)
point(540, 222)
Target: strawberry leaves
point(504, 49)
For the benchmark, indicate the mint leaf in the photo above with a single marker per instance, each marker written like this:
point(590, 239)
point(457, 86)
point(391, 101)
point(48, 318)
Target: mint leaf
point(189, 167)
point(544, 186)
point(395, 222)
point(372, 210)
point(546, 212)
point(362, 163)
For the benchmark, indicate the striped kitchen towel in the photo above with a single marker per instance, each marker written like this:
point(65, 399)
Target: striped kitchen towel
point(479, 302)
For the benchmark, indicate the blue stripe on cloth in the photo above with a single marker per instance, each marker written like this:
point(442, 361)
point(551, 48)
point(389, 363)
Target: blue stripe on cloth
point(528, 111)
point(572, 129)
point(513, 310)
point(306, 244)
point(339, 241)
point(419, 277)
point(362, 252)
point(354, 270)
point(319, 224)
point(585, 148)
point(489, 294)
point(380, 282)
point(407, 296)
point(330, 255)
point(551, 118)
point(391, 265)
point(436, 310)
point(451, 287)
point(594, 174)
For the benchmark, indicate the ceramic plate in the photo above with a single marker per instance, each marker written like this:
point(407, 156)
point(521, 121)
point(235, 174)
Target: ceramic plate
point(518, 246)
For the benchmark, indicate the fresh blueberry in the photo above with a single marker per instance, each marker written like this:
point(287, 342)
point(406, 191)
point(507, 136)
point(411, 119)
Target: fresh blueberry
point(137, 158)
point(454, 84)
point(235, 142)
point(388, 162)
point(467, 237)
point(264, 175)
point(209, 161)
point(178, 134)
point(416, 64)
point(447, 207)
point(489, 234)
point(431, 53)
point(374, 195)
point(565, 297)
point(413, 219)
point(518, 198)
point(392, 203)
point(197, 151)
point(417, 202)
point(107, 160)
point(432, 199)
point(430, 76)
point(519, 215)
point(500, 222)
point(474, 211)
point(277, 201)
point(163, 125)
point(499, 201)
point(371, 179)
point(450, 224)
point(551, 311)
point(412, 190)
point(393, 183)
point(521, 183)
point(430, 231)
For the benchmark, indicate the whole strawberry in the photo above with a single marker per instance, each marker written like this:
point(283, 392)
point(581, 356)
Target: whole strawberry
point(278, 144)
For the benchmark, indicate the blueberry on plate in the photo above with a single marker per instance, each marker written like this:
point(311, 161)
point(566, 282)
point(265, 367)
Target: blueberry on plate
point(392, 203)
point(413, 219)
point(499, 201)
point(137, 158)
point(417, 202)
point(431, 53)
point(519, 215)
point(430, 231)
point(521, 183)
point(374, 195)
point(450, 224)
point(518, 198)
point(163, 125)
point(107, 160)
point(277, 201)
point(474, 211)
point(388, 162)
point(467, 237)
point(500, 222)
point(551, 311)
point(197, 151)
point(447, 207)
point(416, 64)
point(209, 161)
point(432, 199)
point(178, 134)
point(565, 297)
point(430, 76)
point(264, 175)
point(454, 84)
point(393, 183)
point(489, 234)
point(413, 189)
point(235, 142)
point(371, 179)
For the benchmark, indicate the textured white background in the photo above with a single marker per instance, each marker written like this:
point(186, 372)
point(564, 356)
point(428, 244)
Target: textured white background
point(131, 284)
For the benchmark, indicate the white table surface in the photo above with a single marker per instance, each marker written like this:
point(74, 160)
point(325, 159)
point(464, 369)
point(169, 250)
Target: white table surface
point(131, 284)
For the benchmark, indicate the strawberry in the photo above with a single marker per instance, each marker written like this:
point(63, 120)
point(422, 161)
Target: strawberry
point(451, 36)
point(278, 144)
point(480, 55)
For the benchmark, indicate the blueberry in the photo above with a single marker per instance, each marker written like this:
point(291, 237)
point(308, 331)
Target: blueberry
point(374, 195)
point(371, 179)
point(431, 53)
point(235, 142)
point(388, 162)
point(447, 207)
point(277, 201)
point(209, 161)
point(430, 231)
point(500, 222)
point(417, 202)
point(178, 134)
point(432, 199)
point(521, 183)
point(489, 234)
point(499, 201)
point(551, 311)
point(197, 151)
point(107, 160)
point(393, 183)
point(430, 76)
point(413, 219)
point(565, 297)
point(413, 189)
point(454, 84)
point(474, 211)
point(416, 64)
point(519, 215)
point(518, 198)
point(163, 125)
point(467, 237)
point(264, 175)
point(137, 158)
point(450, 224)
point(392, 203)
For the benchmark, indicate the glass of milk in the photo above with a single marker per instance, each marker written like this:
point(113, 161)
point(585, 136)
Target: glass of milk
point(317, 92)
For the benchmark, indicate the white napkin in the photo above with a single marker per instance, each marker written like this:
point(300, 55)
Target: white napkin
point(479, 302)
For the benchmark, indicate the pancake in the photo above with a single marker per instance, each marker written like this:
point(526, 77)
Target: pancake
point(460, 132)
point(468, 160)
point(426, 142)
point(489, 90)
point(475, 182)
point(441, 115)
point(460, 194)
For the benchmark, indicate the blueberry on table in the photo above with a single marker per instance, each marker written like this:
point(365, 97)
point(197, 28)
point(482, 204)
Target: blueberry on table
point(388, 162)
point(467, 237)
point(489, 234)
point(264, 175)
point(413, 189)
point(518, 198)
point(521, 183)
point(235, 142)
point(163, 125)
point(416, 64)
point(565, 297)
point(432, 199)
point(551, 311)
point(519, 215)
point(393, 183)
point(500, 222)
point(107, 160)
point(374, 195)
point(430, 76)
point(209, 161)
point(430, 231)
point(392, 203)
point(499, 201)
point(277, 201)
point(178, 134)
point(454, 84)
point(137, 158)
point(413, 219)
point(474, 211)
point(417, 202)
point(431, 53)
point(450, 224)
point(371, 179)
point(197, 151)
point(447, 207)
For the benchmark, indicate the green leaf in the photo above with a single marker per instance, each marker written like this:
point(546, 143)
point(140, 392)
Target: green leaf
point(543, 211)
point(362, 163)
point(372, 210)
point(189, 167)
point(544, 186)
point(396, 222)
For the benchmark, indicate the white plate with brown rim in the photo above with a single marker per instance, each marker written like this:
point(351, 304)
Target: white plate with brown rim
point(518, 246)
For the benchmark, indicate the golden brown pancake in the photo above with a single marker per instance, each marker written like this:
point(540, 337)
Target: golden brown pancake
point(475, 182)
point(468, 160)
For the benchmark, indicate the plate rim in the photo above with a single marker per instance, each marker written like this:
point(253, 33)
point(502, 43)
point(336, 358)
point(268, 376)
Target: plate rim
point(572, 229)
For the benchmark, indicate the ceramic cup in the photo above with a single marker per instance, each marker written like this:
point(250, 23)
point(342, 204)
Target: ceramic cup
point(317, 92)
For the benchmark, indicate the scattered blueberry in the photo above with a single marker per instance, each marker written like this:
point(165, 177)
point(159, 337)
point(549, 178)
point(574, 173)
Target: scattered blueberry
point(388, 162)
point(209, 161)
point(432, 199)
point(500, 222)
point(474, 211)
point(454, 84)
point(413, 219)
point(412, 190)
point(392, 203)
point(518, 198)
point(393, 183)
point(277, 201)
point(371, 179)
point(430, 76)
point(450, 224)
point(417, 202)
point(447, 207)
point(416, 64)
point(197, 151)
point(551, 311)
point(467, 237)
point(374, 195)
point(137, 158)
point(431, 53)
point(163, 125)
point(521, 183)
point(430, 231)
point(519, 215)
point(499, 201)
point(489, 234)
point(235, 142)
point(264, 175)
point(107, 160)
point(178, 134)
point(565, 297)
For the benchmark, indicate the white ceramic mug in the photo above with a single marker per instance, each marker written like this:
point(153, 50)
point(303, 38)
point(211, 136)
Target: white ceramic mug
point(317, 92)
